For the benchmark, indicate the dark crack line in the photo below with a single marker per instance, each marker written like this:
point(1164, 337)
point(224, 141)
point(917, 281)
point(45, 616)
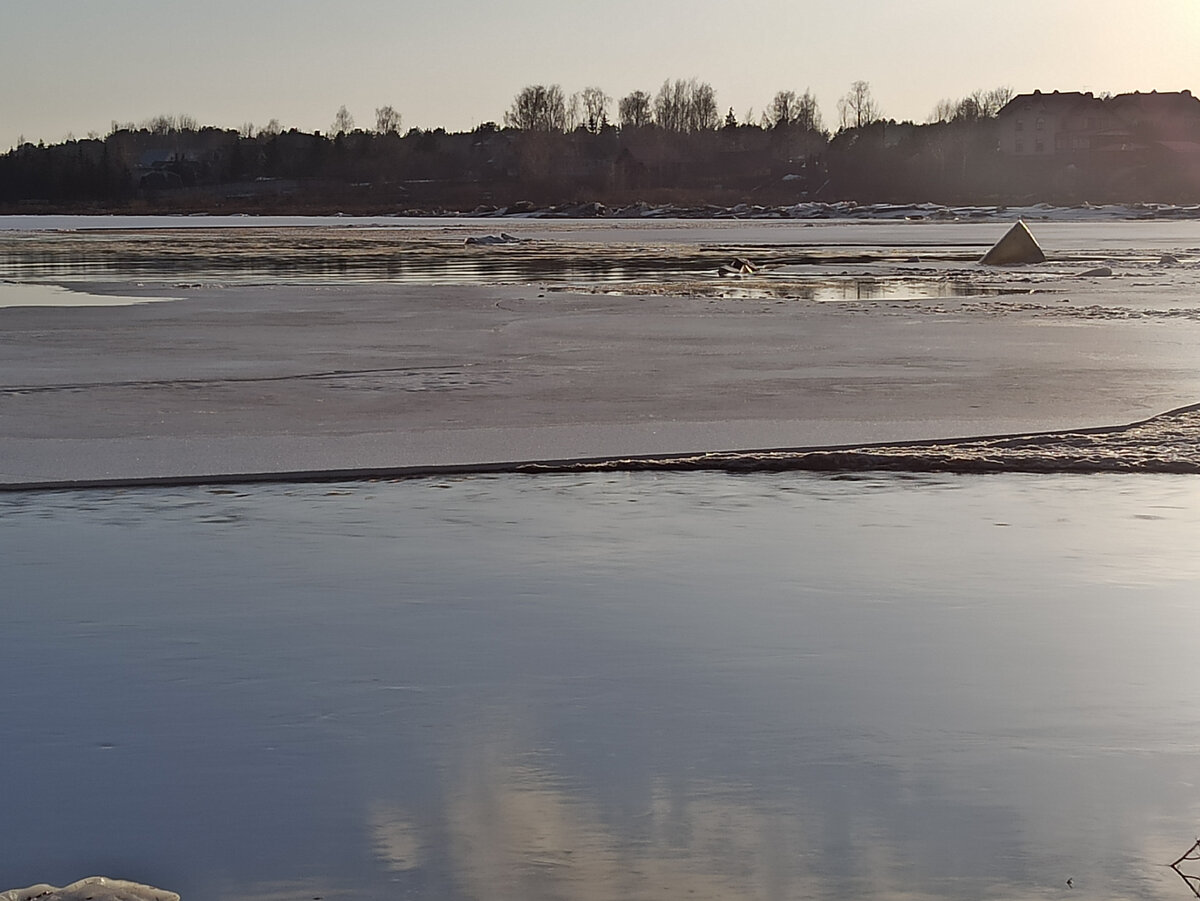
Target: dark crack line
point(235, 380)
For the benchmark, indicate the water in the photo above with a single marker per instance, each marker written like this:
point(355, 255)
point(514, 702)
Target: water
point(652, 685)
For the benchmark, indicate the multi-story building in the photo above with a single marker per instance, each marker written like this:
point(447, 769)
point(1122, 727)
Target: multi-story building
point(1074, 124)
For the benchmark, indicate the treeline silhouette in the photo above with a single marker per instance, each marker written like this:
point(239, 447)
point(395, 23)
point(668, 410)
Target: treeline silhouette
point(672, 147)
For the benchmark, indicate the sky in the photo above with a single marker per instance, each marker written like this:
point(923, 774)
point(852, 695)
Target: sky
point(71, 67)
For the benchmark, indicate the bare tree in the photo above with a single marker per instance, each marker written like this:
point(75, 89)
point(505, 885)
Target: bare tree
point(792, 109)
point(670, 105)
point(164, 125)
point(968, 109)
point(857, 107)
point(387, 121)
point(271, 129)
point(595, 109)
point(808, 113)
point(634, 110)
point(686, 106)
point(538, 108)
point(781, 110)
point(702, 110)
point(343, 122)
point(996, 99)
point(574, 112)
point(943, 111)
point(976, 105)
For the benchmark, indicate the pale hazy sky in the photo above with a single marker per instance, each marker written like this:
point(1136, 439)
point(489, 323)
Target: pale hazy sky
point(73, 66)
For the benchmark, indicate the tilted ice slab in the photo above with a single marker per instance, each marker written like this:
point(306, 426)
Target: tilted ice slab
point(94, 888)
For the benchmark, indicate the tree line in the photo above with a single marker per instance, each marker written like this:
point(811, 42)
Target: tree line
point(672, 145)
point(680, 106)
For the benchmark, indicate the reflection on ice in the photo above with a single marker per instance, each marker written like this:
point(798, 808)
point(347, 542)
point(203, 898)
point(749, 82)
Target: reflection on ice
point(397, 838)
point(18, 294)
point(517, 833)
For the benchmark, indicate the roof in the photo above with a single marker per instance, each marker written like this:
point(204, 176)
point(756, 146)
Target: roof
point(1060, 99)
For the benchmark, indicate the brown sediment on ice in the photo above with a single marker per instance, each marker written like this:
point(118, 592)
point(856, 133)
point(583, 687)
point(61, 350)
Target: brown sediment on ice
point(94, 888)
point(1169, 443)
point(1165, 444)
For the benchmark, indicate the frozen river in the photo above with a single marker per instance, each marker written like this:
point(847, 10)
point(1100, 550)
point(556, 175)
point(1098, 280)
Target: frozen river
point(665, 684)
point(247, 349)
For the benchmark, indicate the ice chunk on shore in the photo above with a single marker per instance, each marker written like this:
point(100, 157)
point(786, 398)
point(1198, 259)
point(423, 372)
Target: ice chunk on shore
point(94, 888)
point(1017, 246)
point(502, 238)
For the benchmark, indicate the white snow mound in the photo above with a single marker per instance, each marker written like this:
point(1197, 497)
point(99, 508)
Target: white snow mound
point(94, 888)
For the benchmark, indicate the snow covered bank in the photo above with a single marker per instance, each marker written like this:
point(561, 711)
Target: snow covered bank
point(94, 888)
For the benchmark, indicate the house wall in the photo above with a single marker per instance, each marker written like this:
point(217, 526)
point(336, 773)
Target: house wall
point(1047, 124)
point(1074, 123)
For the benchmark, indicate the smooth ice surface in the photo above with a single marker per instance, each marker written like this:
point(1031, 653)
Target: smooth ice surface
point(646, 686)
point(17, 294)
point(341, 349)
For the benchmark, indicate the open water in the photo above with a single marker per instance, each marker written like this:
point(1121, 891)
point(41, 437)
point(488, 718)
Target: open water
point(649, 685)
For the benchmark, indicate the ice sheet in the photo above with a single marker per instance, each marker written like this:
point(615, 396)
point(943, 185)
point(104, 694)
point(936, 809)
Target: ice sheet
point(350, 370)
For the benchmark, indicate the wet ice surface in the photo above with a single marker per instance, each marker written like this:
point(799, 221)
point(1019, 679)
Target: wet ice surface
point(435, 251)
point(838, 261)
point(686, 685)
point(19, 294)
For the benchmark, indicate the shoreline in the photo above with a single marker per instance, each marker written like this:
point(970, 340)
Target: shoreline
point(642, 210)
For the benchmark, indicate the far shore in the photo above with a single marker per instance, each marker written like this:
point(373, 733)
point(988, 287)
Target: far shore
point(657, 208)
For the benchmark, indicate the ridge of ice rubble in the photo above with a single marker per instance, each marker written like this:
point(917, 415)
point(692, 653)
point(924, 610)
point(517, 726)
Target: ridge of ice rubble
point(94, 888)
point(846, 209)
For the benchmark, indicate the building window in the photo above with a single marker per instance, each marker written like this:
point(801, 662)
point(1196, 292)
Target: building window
point(1039, 147)
point(1041, 123)
point(1020, 147)
point(1020, 126)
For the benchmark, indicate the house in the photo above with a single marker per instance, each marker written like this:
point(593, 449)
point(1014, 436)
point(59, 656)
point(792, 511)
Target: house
point(1167, 116)
point(1041, 125)
point(1070, 123)
point(1071, 144)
